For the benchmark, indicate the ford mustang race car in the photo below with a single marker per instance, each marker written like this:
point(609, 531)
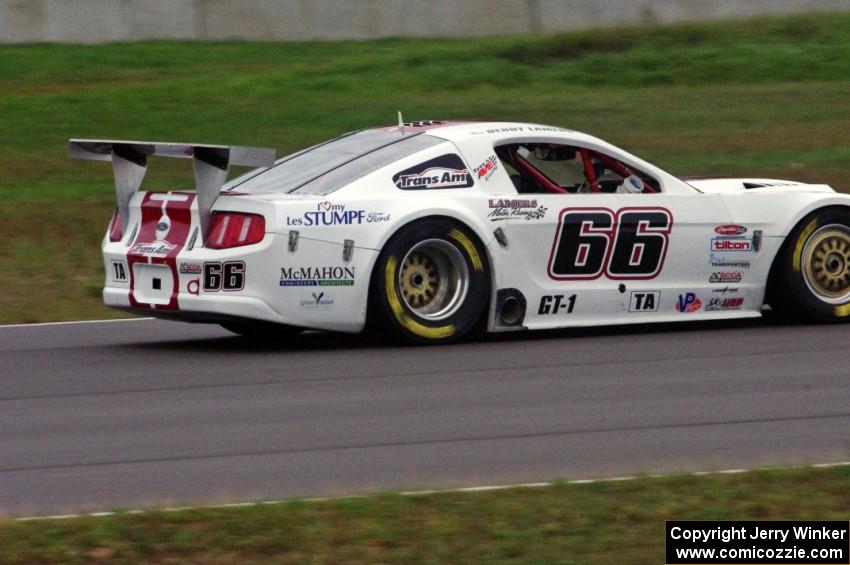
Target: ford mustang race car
point(431, 229)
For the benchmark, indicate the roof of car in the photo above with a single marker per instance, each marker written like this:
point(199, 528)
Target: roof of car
point(456, 130)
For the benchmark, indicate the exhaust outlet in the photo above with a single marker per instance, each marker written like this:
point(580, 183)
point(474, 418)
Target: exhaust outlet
point(510, 309)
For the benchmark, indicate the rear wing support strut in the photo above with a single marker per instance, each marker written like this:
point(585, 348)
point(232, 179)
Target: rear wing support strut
point(130, 163)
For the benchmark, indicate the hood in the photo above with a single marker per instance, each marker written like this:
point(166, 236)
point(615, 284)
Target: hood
point(736, 186)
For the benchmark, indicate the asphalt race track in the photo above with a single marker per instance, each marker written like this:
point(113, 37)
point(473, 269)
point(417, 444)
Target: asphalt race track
point(132, 414)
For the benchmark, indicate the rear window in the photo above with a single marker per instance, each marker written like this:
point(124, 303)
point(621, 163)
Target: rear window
point(329, 166)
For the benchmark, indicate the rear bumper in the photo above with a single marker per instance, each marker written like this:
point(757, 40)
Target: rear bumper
point(200, 308)
point(180, 294)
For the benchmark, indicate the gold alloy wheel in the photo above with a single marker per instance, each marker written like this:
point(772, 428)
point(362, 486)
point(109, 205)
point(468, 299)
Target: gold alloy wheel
point(433, 279)
point(826, 263)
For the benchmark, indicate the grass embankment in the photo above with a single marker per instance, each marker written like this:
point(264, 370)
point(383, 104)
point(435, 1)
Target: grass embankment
point(762, 97)
point(613, 522)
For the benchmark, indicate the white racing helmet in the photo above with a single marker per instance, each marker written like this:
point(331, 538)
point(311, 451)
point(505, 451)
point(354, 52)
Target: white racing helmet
point(632, 184)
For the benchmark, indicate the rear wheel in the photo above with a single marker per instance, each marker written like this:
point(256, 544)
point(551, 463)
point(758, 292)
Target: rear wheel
point(266, 332)
point(431, 283)
point(814, 275)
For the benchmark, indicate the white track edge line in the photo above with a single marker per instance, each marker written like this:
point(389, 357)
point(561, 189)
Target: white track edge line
point(485, 488)
point(37, 324)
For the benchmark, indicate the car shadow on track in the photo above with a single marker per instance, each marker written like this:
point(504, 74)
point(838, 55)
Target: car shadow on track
point(330, 341)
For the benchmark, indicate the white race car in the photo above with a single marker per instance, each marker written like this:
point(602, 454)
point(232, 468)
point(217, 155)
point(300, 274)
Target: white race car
point(431, 229)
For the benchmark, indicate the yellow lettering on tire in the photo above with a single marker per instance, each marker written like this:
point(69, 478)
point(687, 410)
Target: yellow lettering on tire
point(801, 242)
point(412, 325)
point(842, 311)
point(461, 238)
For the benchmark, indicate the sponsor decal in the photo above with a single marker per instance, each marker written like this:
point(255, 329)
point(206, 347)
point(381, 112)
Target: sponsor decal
point(512, 203)
point(486, 169)
point(329, 214)
point(720, 261)
point(556, 304)
point(317, 276)
point(733, 303)
point(725, 277)
point(377, 217)
point(153, 249)
point(445, 171)
point(317, 301)
point(725, 290)
point(730, 229)
point(730, 244)
point(119, 271)
point(194, 287)
point(191, 268)
point(508, 209)
point(688, 302)
point(644, 301)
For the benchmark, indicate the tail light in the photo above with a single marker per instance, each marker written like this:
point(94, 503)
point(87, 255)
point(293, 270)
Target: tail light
point(115, 227)
point(233, 229)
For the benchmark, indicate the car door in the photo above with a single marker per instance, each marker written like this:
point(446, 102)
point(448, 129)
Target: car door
point(598, 252)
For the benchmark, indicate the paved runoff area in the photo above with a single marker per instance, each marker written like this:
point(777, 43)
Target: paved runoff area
point(131, 414)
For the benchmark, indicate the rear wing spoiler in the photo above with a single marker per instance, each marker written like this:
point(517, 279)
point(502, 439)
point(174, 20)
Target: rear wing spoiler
point(130, 163)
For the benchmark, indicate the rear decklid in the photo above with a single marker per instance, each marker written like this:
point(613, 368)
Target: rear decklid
point(160, 224)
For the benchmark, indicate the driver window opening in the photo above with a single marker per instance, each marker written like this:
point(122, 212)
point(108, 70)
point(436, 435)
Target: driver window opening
point(547, 168)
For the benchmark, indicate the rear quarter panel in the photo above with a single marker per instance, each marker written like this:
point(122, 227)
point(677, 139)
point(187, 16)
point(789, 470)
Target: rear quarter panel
point(365, 213)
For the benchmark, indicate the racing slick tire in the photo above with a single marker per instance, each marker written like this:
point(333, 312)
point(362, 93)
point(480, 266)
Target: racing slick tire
point(813, 268)
point(262, 332)
point(431, 282)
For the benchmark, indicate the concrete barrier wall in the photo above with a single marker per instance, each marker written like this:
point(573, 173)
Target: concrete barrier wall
point(95, 21)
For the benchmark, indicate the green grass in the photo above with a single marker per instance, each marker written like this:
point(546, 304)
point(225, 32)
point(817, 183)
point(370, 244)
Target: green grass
point(766, 97)
point(612, 522)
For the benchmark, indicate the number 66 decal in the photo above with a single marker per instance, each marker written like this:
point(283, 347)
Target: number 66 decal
point(228, 276)
point(628, 244)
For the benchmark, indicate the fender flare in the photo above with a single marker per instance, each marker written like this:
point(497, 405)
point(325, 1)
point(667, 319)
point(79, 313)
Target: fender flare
point(401, 226)
point(770, 284)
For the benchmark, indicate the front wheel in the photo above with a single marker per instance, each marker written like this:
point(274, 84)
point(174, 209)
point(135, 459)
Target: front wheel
point(814, 280)
point(431, 283)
